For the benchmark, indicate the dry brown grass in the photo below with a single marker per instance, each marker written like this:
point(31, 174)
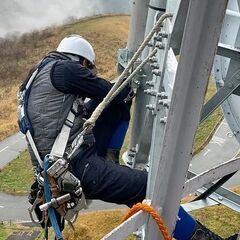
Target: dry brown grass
point(8, 124)
point(95, 225)
point(107, 34)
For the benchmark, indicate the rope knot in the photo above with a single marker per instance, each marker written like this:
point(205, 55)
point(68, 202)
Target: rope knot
point(150, 210)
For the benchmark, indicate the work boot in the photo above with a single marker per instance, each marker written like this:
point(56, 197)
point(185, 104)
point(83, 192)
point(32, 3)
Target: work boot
point(113, 155)
point(203, 233)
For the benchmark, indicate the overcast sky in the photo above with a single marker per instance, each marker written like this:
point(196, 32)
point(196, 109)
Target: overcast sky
point(18, 16)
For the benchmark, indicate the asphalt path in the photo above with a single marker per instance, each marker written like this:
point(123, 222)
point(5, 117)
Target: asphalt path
point(11, 147)
point(222, 147)
point(15, 208)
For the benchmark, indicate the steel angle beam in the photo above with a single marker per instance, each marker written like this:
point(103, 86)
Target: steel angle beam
point(159, 122)
point(214, 187)
point(224, 197)
point(222, 94)
point(233, 13)
point(178, 29)
point(192, 206)
point(221, 195)
point(225, 67)
point(128, 227)
point(228, 51)
point(211, 175)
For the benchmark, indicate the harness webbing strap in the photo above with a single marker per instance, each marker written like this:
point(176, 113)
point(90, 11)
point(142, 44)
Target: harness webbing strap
point(51, 211)
point(60, 143)
point(31, 79)
point(34, 148)
point(25, 93)
point(28, 134)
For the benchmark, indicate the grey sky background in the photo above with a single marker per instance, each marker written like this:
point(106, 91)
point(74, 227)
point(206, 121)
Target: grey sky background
point(18, 16)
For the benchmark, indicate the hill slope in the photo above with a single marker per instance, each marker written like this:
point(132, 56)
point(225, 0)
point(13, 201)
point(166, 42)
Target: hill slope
point(107, 34)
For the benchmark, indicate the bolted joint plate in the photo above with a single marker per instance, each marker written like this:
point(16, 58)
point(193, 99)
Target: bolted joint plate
point(157, 72)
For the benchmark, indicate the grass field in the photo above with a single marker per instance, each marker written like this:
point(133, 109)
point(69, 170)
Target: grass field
point(17, 176)
point(3, 232)
point(207, 128)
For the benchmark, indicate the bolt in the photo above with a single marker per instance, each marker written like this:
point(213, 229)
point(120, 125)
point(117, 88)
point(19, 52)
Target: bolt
point(154, 66)
point(142, 76)
point(150, 83)
point(147, 91)
point(136, 82)
point(221, 83)
point(163, 34)
point(150, 92)
point(163, 120)
point(162, 95)
point(165, 103)
point(150, 44)
point(156, 72)
point(150, 107)
point(147, 201)
point(132, 155)
point(133, 149)
point(129, 163)
point(220, 198)
point(158, 38)
point(153, 59)
point(160, 46)
point(138, 234)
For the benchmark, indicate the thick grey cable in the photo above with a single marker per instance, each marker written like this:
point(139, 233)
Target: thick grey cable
point(91, 121)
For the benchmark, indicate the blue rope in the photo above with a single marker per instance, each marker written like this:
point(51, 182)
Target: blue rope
point(48, 197)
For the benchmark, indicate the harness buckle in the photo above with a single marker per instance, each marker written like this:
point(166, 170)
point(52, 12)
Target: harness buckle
point(58, 168)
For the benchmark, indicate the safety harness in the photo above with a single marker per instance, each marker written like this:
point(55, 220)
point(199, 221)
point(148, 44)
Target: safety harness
point(57, 193)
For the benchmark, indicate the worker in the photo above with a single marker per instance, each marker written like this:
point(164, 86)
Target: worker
point(70, 73)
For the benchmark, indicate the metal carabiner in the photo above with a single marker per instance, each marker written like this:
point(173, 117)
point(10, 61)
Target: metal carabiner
point(38, 200)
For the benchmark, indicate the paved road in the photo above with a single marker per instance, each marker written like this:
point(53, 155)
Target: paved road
point(11, 147)
point(221, 148)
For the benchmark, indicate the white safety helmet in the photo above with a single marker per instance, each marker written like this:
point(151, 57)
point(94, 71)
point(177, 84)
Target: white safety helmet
point(77, 45)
